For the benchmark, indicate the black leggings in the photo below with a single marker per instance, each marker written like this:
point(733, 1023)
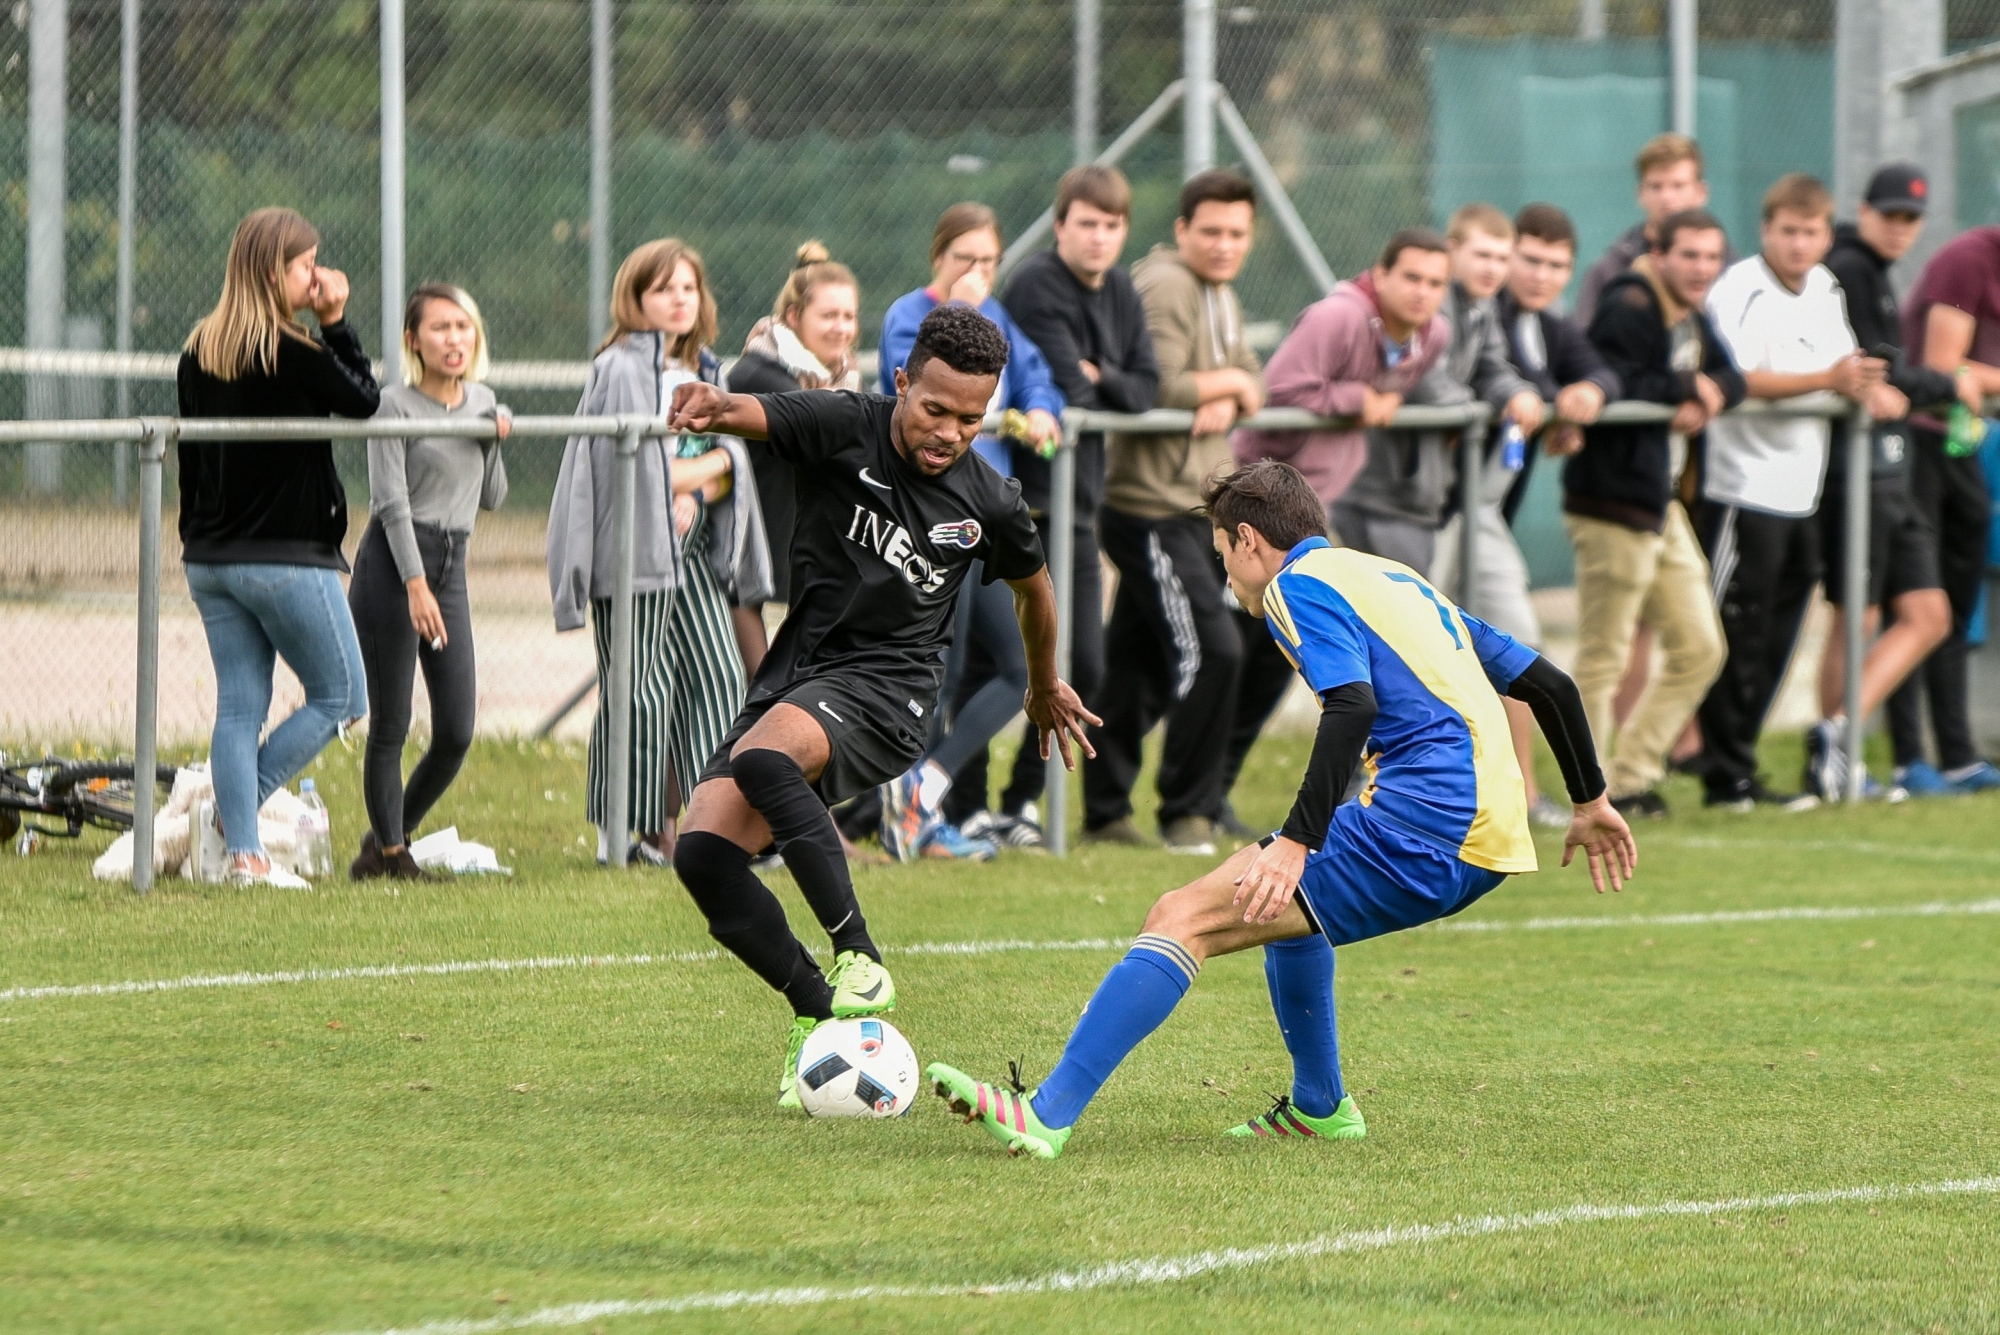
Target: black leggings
point(391, 653)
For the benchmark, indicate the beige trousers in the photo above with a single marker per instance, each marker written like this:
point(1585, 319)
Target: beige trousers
point(1625, 579)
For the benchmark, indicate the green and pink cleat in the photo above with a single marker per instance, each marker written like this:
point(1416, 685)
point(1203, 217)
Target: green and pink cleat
point(1006, 1113)
point(1009, 1116)
point(1284, 1121)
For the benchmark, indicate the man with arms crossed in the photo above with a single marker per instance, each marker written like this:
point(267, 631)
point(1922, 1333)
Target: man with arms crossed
point(1781, 315)
point(891, 514)
point(1637, 561)
point(1080, 308)
point(1410, 688)
point(1902, 549)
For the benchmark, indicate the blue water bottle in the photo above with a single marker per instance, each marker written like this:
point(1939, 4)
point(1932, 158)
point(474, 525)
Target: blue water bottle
point(1513, 447)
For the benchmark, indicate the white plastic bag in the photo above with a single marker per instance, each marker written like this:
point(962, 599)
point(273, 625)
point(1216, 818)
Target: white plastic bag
point(445, 849)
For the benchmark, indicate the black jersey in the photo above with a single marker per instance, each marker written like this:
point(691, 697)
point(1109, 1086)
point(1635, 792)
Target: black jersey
point(881, 548)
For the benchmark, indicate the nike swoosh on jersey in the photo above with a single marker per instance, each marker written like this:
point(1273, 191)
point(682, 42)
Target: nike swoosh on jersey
point(830, 714)
point(873, 483)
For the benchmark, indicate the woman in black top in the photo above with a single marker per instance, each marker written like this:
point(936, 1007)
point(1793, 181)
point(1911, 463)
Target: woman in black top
point(806, 342)
point(262, 522)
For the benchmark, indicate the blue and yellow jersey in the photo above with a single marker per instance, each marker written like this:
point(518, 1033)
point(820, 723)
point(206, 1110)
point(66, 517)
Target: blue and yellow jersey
point(1440, 760)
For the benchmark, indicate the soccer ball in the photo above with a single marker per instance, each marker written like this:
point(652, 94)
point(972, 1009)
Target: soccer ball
point(857, 1068)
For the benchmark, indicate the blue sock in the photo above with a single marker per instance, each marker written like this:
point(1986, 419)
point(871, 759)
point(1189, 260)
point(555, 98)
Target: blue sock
point(1300, 972)
point(1134, 999)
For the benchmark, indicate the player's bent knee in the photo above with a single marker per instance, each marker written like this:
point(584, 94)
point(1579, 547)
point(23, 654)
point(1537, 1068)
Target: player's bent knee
point(711, 867)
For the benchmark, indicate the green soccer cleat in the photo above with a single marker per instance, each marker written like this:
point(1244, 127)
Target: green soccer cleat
point(1005, 1113)
point(860, 986)
point(1343, 1123)
point(788, 1083)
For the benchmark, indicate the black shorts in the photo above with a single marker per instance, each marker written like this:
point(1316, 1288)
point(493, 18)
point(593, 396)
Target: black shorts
point(874, 727)
point(1902, 549)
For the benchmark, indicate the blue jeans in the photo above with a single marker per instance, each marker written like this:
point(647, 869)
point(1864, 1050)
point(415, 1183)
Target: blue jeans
point(253, 613)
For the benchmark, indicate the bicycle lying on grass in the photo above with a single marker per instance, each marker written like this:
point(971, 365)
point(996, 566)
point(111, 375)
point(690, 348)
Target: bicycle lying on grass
point(77, 793)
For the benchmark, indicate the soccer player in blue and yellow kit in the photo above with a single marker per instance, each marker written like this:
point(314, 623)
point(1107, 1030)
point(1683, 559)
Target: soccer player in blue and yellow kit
point(1410, 687)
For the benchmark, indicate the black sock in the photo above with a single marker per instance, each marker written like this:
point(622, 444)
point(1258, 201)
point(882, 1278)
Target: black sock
point(744, 916)
point(772, 782)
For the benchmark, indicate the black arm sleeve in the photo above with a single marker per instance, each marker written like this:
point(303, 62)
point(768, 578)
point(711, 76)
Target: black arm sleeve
point(1549, 692)
point(1348, 714)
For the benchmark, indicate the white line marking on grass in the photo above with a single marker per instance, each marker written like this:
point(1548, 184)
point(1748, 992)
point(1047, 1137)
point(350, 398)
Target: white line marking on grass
point(197, 982)
point(207, 980)
point(1173, 1269)
point(1803, 914)
point(1915, 852)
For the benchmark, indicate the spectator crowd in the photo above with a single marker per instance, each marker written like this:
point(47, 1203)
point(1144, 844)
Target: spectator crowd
point(1700, 540)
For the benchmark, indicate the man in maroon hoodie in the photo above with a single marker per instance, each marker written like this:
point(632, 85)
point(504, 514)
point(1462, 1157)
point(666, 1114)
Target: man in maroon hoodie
point(1354, 353)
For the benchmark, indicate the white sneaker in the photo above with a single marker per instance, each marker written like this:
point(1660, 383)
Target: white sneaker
point(208, 857)
point(274, 876)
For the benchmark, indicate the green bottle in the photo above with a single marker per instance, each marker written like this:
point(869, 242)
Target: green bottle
point(1966, 432)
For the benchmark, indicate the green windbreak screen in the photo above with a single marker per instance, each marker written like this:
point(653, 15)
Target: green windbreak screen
point(1978, 135)
point(1529, 119)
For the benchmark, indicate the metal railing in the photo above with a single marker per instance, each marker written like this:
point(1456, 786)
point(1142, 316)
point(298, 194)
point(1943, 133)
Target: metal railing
point(155, 434)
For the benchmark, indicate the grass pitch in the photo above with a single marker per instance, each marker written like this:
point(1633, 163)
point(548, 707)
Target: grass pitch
point(459, 1152)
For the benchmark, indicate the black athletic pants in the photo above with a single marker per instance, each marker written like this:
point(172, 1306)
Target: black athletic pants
point(391, 654)
point(1172, 650)
point(1764, 568)
point(1950, 494)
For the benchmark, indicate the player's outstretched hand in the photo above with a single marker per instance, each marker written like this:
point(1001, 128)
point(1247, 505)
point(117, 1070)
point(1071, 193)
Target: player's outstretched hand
point(1059, 714)
point(1266, 889)
point(696, 405)
point(1606, 841)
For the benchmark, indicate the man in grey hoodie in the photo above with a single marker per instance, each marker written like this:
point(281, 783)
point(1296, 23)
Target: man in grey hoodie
point(1395, 505)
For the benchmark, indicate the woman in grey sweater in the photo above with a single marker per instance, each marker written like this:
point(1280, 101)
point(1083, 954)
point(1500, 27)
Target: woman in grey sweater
point(408, 592)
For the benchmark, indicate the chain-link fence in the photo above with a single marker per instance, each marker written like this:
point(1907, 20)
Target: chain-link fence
point(746, 126)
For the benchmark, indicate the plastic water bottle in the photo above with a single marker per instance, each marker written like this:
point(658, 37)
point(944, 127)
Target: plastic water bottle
point(1966, 432)
point(1513, 447)
point(315, 855)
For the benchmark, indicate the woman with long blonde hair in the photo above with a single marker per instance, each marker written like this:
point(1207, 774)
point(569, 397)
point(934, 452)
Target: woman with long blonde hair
point(411, 608)
point(698, 538)
point(262, 522)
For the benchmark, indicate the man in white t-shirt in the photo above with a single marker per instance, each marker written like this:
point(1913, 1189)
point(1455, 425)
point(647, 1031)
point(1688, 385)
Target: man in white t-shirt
point(1781, 314)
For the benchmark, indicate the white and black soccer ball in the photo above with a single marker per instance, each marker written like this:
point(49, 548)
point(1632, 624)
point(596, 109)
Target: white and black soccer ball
point(857, 1068)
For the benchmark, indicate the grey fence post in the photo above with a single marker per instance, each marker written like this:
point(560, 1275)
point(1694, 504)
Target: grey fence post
point(600, 167)
point(128, 157)
point(1083, 112)
point(618, 738)
point(1198, 73)
point(1854, 607)
point(48, 117)
point(146, 710)
point(1682, 53)
point(1472, 460)
point(1062, 573)
point(392, 189)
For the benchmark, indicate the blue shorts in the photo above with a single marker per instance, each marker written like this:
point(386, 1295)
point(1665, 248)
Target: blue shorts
point(1371, 878)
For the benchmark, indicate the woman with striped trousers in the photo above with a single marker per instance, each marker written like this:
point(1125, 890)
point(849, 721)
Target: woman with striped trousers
point(700, 541)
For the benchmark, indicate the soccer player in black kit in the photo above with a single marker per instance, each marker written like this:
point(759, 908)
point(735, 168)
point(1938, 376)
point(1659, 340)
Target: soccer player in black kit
point(892, 509)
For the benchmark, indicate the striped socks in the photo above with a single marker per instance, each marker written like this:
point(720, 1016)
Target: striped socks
point(1134, 999)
